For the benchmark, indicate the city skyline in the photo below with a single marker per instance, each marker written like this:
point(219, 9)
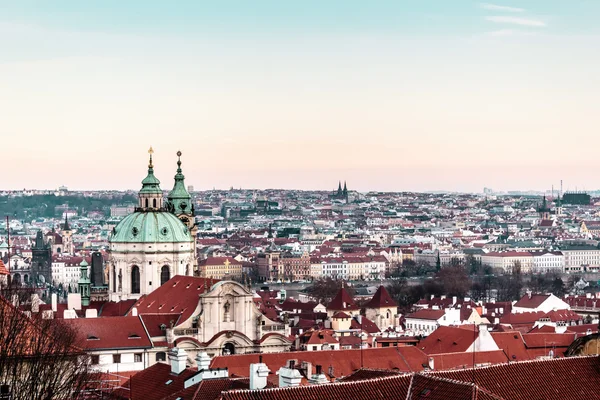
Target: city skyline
point(437, 95)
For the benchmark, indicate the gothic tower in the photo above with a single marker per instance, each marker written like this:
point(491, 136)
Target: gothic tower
point(544, 210)
point(67, 237)
point(41, 261)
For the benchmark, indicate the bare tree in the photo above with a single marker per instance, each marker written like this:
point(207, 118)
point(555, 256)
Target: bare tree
point(39, 357)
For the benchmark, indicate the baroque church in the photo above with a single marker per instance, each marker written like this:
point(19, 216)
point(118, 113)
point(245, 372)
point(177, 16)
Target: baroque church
point(154, 243)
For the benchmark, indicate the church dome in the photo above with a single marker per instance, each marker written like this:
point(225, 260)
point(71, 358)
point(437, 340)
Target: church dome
point(151, 227)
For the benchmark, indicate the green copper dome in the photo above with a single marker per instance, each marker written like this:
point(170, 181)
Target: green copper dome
point(151, 227)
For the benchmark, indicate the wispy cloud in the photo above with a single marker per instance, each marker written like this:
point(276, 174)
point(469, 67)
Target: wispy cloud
point(517, 21)
point(495, 7)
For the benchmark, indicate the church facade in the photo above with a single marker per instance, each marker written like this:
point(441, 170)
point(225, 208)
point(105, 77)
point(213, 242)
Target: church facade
point(154, 243)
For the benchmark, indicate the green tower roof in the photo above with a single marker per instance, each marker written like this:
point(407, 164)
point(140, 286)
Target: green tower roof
point(151, 184)
point(179, 197)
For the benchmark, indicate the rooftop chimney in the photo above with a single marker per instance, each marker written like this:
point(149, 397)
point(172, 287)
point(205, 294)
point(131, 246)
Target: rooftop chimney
point(318, 378)
point(289, 376)
point(177, 359)
point(203, 361)
point(35, 303)
point(431, 364)
point(307, 368)
point(54, 302)
point(258, 375)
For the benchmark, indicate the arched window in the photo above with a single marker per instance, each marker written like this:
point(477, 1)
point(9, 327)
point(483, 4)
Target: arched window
point(114, 274)
point(165, 274)
point(161, 356)
point(146, 203)
point(154, 203)
point(135, 279)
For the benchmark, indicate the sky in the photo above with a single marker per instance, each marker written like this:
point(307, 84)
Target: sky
point(391, 95)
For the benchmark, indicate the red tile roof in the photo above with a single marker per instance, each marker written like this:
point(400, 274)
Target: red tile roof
point(343, 362)
point(571, 378)
point(111, 332)
point(531, 302)
point(414, 386)
point(3, 269)
point(381, 299)
point(427, 314)
point(342, 302)
point(155, 382)
point(446, 339)
point(512, 344)
point(153, 323)
point(219, 261)
point(443, 362)
point(179, 295)
point(366, 325)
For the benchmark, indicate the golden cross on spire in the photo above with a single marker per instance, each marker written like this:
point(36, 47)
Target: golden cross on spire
point(150, 151)
point(227, 262)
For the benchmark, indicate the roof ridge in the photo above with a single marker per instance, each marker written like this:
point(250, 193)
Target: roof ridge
point(559, 359)
point(338, 383)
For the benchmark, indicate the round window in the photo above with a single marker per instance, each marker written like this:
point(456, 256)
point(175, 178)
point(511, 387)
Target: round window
point(164, 231)
point(135, 231)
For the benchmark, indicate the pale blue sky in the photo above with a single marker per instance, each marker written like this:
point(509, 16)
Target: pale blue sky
point(388, 95)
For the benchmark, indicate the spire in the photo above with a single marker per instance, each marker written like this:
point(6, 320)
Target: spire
point(179, 198)
point(66, 226)
point(151, 194)
point(339, 187)
point(150, 184)
point(345, 187)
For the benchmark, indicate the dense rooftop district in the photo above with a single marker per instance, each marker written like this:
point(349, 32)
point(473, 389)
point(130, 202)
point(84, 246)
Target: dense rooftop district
point(313, 294)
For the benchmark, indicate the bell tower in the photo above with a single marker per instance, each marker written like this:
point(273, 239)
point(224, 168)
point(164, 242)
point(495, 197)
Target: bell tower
point(180, 200)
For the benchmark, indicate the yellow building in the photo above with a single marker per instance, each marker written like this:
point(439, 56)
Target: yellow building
point(220, 268)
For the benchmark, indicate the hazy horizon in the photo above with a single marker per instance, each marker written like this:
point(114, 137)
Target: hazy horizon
point(393, 96)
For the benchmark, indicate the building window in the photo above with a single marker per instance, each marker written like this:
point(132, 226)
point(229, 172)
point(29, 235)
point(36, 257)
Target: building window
point(95, 359)
point(161, 356)
point(135, 279)
point(137, 357)
point(165, 274)
point(116, 358)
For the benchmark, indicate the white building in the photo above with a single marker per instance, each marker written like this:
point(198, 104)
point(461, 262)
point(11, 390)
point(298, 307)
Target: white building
point(548, 261)
point(424, 322)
